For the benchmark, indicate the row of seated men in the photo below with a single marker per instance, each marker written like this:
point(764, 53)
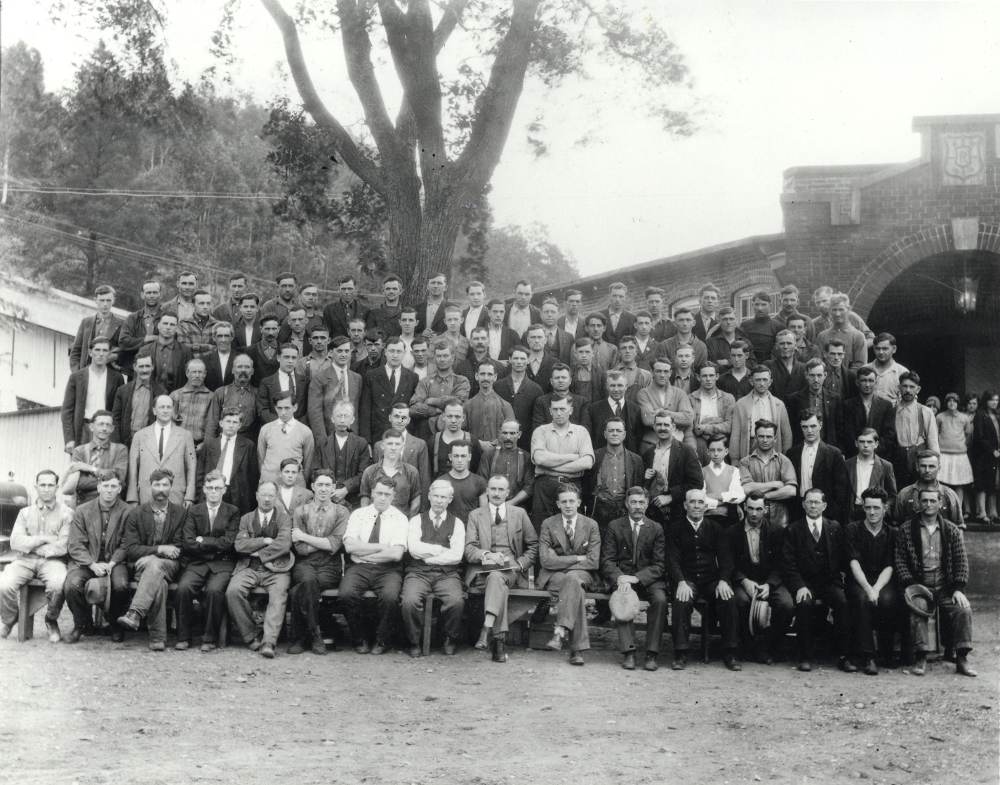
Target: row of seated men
point(865, 574)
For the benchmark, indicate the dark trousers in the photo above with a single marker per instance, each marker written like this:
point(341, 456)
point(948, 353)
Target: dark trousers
point(806, 619)
point(606, 511)
point(194, 579)
point(543, 503)
point(312, 574)
point(866, 618)
point(782, 609)
point(656, 618)
point(421, 583)
point(956, 624)
point(385, 580)
point(723, 610)
point(76, 581)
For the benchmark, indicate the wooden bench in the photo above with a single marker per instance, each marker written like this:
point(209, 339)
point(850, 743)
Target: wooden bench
point(30, 600)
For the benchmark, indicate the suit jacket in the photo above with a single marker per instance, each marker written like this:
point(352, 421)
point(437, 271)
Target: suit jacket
point(228, 312)
point(214, 375)
point(598, 386)
point(725, 403)
point(416, 454)
point(847, 378)
point(508, 340)
point(75, 400)
point(122, 411)
point(324, 392)
point(581, 328)
point(882, 477)
point(240, 338)
point(767, 569)
point(270, 387)
point(178, 456)
point(536, 313)
point(242, 490)
point(178, 364)
point(544, 376)
point(300, 496)
point(140, 531)
point(634, 473)
point(540, 415)
point(248, 544)
point(783, 382)
point(681, 544)
point(601, 412)
point(85, 533)
point(882, 418)
point(699, 326)
point(377, 399)
point(522, 402)
point(829, 475)
point(216, 547)
point(739, 442)
point(683, 474)
point(86, 486)
point(262, 367)
point(644, 358)
point(132, 337)
point(79, 355)
point(365, 364)
point(356, 456)
point(522, 540)
point(626, 326)
point(800, 566)
point(336, 319)
point(557, 554)
point(482, 321)
point(561, 349)
point(832, 431)
point(438, 324)
point(646, 558)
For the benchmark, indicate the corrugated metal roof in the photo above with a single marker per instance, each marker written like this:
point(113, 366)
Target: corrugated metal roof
point(53, 309)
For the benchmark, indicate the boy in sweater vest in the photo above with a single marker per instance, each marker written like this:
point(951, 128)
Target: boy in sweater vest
point(722, 483)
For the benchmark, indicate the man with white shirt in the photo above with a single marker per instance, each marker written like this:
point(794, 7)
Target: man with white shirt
point(916, 429)
point(663, 327)
point(247, 326)
point(88, 390)
point(475, 315)
point(375, 540)
point(758, 405)
point(887, 370)
point(812, 567)
point(436, 543)
point(522, 313)
point(620, 322)
point(562, 454)
point(572, 322)
point(236, 457)
point(645, 344)
point(407, 328)
point(430, 313)
point(382, 388)
point(723, 489)
point(820, 465)
point(662, 395)
point(713, 410)
point(163, 445)
point(867, 471)
point(501, 338)
point(286, 380)
point(284, 438)
point(569, 551)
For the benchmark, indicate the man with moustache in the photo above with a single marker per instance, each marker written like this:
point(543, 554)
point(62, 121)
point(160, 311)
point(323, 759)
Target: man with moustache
point(163, 445)
point(170, 356)
point(672, 469)
point(90, 460)
point(513, 463)
point(239, 395)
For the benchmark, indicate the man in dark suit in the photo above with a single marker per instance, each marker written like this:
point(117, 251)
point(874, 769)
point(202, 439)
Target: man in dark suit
point(706, 318)
point(219, 362)
point(141, 391)
point(616, 405)
point(414, 452)
point(230, 311)
point(154, 533)
point(374, 355)
point(334, 383)
point(170, 356)
point(500, 337)
point(569, 551)
point(338, 314)
point(476, 315)
point(265, 353)
point(434, 305)
point(788, 375)
point(700, 565)
point(867, 410)
point(104, 324)
point(616, 469)
point(633, 557)
point(672, 469)
point(285, 380)
point(208, 558)
point(812, 567)
point(756, 550)
point(814, 396)
point(878, 470)
point(818, 465)
point(238, 464)
point(139, 328)
point(79, 405)
point(540, 363)
point(560, 380)
point(246, 322)
point(558, 342)
point(620, 322)
point(520, 392)
point(840, 378)
point(573, 300)
point(520, 313)
point(383, 387)
point(346, 456)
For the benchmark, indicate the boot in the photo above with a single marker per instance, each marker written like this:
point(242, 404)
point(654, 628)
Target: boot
point(499, 655)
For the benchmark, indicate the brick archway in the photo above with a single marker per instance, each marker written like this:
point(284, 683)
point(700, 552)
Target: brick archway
point(906, 252)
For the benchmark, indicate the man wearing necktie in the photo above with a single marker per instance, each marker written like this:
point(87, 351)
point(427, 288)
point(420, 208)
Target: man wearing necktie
point(208, 557)
point(375, 539)
point(436, 542)
point(264, 543)
point(569, 550)
point(812, 567)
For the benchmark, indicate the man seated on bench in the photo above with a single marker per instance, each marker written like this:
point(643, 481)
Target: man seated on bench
point(95, 546)
point(154, 533)
point(633, 553)
point(317, 536)
point(500, 546)
point(436, 543)
point(376, 540)
point(264, 543)
point(39, 541)
point(569, 550)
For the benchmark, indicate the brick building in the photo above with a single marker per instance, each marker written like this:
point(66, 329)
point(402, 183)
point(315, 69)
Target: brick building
point(916, 246)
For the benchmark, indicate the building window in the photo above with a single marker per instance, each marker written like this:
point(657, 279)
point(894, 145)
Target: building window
point(743, 301)
point(686, 302)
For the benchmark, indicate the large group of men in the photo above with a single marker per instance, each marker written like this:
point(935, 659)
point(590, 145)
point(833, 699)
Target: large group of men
point(744, 468)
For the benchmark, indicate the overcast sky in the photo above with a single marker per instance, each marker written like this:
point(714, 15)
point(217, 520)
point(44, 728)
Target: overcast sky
point(777, 84)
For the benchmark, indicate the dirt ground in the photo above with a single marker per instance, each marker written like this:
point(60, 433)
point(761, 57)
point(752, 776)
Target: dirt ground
point(98, 712)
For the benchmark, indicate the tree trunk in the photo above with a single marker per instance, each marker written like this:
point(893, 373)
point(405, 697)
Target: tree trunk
point(6, 171)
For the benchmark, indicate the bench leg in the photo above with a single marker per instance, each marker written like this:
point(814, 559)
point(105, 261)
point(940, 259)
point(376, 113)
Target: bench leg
point(428, 623)
point(223, 641)
point(25, 619)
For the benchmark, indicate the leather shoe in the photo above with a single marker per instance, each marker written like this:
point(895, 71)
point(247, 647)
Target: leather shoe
point(920, 665)
point(378, 648)
point(651, 661)
point(576, 658)
point(267, 651)
point(680, 661)
point(949, 655)
point(871, 669)
point(805, 666)
point(255, 644)
point(629, 662)
point(53, 628)
point(117, 634)
point(556, 643)
point(450, 647)
point(730, 662)
point(5, 629)
point(363, 648)
point(157, 646)
point(182, 645)
point(131, 619)
point(415, 652)
point(206, 647)
point(483, 644)
point(299, 647)
point(962, 667)
point(318, 646)
point(845, 664)
point(74, 635)
point(499, 655)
